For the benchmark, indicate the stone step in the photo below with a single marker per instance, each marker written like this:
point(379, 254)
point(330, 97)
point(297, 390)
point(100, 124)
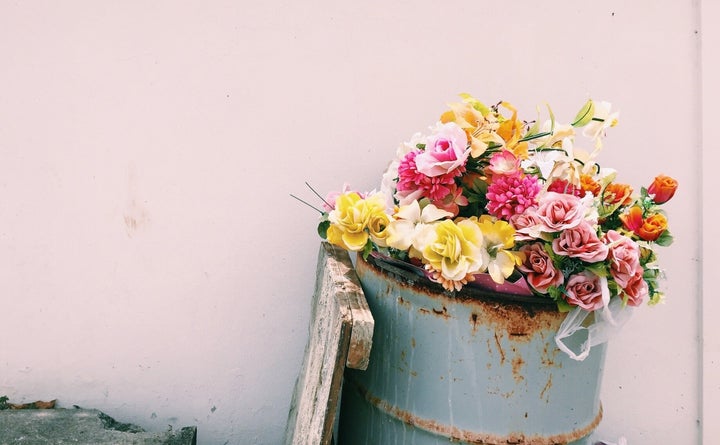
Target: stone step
point(81, 427)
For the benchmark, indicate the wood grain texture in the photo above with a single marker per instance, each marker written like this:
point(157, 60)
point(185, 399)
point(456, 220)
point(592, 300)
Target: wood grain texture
point(340, 334)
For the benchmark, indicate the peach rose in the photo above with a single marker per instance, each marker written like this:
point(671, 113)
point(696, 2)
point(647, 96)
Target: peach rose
point(581, 242)
point(540, 272)
point(624, 257)
point(559, 211)
point(619, 194)
point(583, 289)
point(662, 188)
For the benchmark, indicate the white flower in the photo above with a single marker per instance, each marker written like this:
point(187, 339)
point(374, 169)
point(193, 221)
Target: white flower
point(602, 120)
point(409, 223)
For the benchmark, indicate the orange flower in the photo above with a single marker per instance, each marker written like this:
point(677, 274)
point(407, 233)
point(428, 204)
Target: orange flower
point(511, 131)
point(663, 188)
point(617, 194)
point(633, 218)
point(588, 184)
point(652, 227)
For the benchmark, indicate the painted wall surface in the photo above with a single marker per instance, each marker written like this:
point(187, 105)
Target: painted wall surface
point(152, 263)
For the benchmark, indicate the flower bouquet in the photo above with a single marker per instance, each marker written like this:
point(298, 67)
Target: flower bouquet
point(485, 198)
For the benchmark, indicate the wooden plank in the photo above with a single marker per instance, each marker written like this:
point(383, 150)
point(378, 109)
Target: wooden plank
point(340, 333)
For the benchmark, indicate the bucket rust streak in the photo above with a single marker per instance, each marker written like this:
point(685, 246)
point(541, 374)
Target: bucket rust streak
point(454, 433)
point(520, 317)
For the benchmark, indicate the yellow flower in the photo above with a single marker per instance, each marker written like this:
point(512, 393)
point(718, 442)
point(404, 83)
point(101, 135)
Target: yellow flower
point(355, 220)
point(454, 252)
point(499, 239)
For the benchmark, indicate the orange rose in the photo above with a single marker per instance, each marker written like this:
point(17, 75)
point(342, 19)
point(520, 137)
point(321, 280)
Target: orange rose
point(652, 227)
point(588, 184)
point(663, 188)
point(617, 194)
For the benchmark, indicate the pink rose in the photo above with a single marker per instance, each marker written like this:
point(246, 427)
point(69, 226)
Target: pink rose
point(624, 257)
point(560, 211)
point(540, 272)
point(527, 225)
point(445, 150)
point(581, 242)
point(636, 289)
point(583, 289)
point(504, 163)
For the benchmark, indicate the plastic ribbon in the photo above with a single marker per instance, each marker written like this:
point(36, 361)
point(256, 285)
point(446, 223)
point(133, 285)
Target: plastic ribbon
point(608, 321)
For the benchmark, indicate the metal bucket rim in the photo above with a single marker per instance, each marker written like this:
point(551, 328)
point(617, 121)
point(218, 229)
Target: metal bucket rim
point(405, 276)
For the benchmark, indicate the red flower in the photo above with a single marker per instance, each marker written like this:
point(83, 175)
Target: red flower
point(663, 188)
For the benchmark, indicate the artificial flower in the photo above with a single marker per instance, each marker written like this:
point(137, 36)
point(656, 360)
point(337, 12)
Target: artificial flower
point(662, 189)
point(494, 194)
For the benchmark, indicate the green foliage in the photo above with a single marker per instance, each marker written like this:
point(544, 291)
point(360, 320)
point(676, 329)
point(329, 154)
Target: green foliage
point(323, 228)
point(585, 114)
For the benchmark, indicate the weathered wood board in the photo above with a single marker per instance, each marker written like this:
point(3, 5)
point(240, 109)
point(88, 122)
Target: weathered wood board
point(340, 335)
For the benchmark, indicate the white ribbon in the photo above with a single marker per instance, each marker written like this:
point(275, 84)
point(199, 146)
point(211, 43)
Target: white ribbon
point(609, 320)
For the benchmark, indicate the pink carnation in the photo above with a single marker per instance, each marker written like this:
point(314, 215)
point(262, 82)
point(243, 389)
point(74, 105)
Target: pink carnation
point(413, 185)
point(510, 195)
point(580, 242)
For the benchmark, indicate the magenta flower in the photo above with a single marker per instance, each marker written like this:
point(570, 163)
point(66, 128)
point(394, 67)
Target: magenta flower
point(562, 186)
point(510, 195)
point(413, 185)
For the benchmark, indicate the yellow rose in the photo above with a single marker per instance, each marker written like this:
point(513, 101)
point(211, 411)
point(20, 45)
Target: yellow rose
point(455, 251)
point(355, 220)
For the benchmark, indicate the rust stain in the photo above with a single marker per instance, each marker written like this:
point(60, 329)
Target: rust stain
point(412, 342)
point(517, 365)
point(548, 356)
point(544, 393)
point(401, 301)
point(522, 318)
point(453, 433)
point(442, 313)
point(502, 352)
point(474, 322)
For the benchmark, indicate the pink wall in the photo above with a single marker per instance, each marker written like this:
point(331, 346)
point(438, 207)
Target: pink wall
point(152, 263)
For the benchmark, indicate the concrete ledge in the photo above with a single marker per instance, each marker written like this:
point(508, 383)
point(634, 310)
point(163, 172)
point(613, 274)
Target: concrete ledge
point(81, 427)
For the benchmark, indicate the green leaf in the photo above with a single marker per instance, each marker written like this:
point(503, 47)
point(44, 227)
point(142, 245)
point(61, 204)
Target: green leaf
point(665, 239)
point(323, 228)
point(585, 114)
point(552, 119)
point(476, 104)
point(563, 306)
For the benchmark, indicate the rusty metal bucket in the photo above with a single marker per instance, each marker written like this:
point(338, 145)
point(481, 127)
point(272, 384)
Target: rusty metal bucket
point(476, 367)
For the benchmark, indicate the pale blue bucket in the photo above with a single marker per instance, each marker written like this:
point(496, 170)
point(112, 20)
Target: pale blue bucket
point(474, 367)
